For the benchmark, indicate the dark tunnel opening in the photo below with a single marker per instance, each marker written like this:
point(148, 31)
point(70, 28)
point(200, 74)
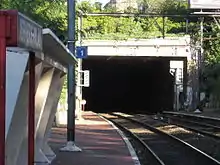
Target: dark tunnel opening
point(129, 85)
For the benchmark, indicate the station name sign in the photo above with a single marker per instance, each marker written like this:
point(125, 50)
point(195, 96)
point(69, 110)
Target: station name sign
point(29, 33)
point(23, 32)
point(204, 4)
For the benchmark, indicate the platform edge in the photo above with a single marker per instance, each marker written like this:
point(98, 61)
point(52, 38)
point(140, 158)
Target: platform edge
point(125, 139)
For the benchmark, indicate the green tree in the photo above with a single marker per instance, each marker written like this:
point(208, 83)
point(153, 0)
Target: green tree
point(151, 6)
point(53, 14)
point(50, 14)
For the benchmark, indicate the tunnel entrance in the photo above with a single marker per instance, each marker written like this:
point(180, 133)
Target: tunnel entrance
point(129, 84)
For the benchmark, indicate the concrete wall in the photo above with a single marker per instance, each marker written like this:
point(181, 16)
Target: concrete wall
point(16, 65)
point(168, 47)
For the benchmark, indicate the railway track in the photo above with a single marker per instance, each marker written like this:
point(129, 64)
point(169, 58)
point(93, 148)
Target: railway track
point(164, 148)
point(147, 155)
point(195, 137)
point(205, 126)
point(199, 118)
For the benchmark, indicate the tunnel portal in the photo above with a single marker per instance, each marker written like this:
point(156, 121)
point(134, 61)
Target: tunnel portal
point(129, 84)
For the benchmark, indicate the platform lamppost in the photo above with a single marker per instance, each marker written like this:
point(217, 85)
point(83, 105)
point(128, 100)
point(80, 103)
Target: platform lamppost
point(71, 147)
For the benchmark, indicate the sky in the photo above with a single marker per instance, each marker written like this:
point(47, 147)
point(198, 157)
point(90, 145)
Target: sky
point(103, 1)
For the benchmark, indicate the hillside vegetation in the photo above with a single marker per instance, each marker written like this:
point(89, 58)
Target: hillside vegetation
point(53, 14)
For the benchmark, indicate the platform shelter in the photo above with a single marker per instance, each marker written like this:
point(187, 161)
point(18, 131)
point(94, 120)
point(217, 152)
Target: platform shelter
point(33, 65)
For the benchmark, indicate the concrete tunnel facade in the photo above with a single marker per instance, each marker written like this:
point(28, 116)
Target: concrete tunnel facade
point(135, 84)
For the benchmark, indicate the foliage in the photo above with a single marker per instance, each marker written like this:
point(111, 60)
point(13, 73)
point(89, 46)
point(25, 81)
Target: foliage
point(64, 93)
point(211, 45)
point(211, 72)
point(47, 13)
point(132, 27)
point(53, 14)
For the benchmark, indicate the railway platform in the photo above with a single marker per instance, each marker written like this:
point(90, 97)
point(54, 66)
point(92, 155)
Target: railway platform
point(101, 144)
point(206, 113)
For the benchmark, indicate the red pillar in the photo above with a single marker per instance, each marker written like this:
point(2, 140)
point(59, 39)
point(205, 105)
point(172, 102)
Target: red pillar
point(2, 88)
point(31, 109)
point(9, 35)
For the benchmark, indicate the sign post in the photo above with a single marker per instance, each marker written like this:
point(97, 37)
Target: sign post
point(86, 78)
point(19, 31)
point(81, 52)
point(70, 146)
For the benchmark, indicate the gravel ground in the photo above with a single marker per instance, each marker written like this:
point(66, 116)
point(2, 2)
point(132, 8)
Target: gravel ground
point(206, 144)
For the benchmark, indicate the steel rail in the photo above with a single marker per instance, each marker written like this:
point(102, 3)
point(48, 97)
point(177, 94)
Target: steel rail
point(198, 130)
point(153, 129)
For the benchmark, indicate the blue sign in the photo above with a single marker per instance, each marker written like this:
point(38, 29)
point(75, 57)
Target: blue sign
point(81, 51)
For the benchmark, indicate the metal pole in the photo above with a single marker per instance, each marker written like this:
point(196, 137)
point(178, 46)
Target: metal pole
point(195, 15)
point(163, 29)
point(71, 73)
point(187, 24)
point(185, 79)
point(31, 109)
point(80, 28)
point(71, 81)
point(175, 90)
point(200, 60)
point(80, 66)
point(201, 42)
